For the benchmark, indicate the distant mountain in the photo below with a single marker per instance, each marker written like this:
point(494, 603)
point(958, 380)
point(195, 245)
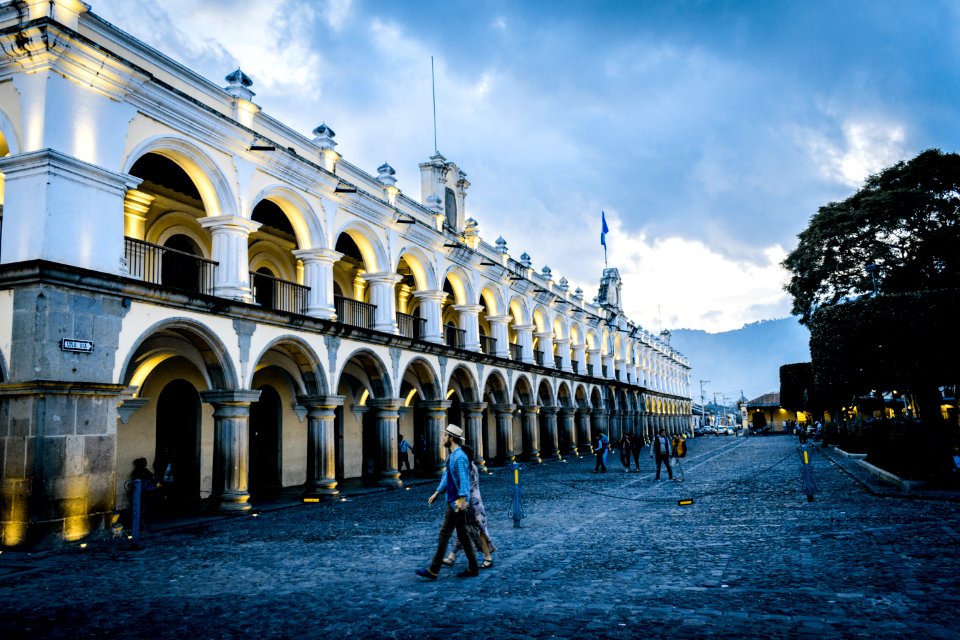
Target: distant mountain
point(747, 360)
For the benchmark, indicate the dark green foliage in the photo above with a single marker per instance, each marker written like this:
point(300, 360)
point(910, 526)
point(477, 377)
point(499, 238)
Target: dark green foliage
point(905, 221)
point(796, 386)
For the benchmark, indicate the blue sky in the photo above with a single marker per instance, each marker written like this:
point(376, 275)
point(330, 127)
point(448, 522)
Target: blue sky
point(709, 132)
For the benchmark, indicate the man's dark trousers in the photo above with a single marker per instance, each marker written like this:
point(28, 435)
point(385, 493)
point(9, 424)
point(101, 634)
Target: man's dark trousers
point(454, 519)
point(664, 459)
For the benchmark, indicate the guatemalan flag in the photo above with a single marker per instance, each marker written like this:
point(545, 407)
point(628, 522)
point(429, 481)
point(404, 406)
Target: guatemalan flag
point(604, 229)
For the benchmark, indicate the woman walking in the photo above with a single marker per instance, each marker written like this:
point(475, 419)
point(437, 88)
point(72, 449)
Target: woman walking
point(476, 520)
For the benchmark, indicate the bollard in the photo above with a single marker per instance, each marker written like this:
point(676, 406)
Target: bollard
point(517, 508)
point(806, 473)
point(135, 513)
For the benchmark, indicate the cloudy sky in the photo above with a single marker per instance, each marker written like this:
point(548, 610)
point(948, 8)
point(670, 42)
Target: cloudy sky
point(708, 131)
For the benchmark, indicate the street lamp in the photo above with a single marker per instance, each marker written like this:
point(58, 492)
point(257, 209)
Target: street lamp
point(703, 409)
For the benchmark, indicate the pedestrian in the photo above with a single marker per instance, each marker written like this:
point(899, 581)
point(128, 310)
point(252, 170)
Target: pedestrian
point(679, 453)
point(637, 442)
point(420, 455)
point(455, 488)
point(476, 520)
point(660, 449)
point(624, 445)
point(603, 446)
point(403, 459)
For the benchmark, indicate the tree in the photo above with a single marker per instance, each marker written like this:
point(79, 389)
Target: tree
point(796, 386)
point(900, 233)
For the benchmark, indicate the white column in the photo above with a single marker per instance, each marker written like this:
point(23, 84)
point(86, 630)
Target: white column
point(230, 235)
point(470, 323)
point(431, 307)
point(525, 340)
point(563, 350)
point(498, 327)
point(383, 293)
point(318, 275)
point(595, 361)
point(579, 355)
point(608, 360)
point(545, 342)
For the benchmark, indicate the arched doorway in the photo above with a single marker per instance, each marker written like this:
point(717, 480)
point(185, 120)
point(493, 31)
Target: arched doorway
point(265, 449)
point(177, 460)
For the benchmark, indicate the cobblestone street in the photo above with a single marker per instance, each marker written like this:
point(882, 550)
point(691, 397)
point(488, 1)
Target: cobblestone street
point(610, 555)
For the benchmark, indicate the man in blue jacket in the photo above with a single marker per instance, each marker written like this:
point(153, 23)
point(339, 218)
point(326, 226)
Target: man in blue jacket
point(455, 487)
point(661, 449)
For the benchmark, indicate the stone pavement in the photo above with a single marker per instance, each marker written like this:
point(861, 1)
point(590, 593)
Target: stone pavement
point(598, 556)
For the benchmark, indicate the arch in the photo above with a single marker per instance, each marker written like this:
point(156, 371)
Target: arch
point(564, 396)
point(596, 398)
point(371, 248)
point(523, 391)
point(179, 223)
point(576, 334)
point(421, 268)
point(560, 329)
point(462, 285)
point(580, 394)
point(545, 394)
point(214, 188)
point(520, 310)
point(592, 338)
point(493, 299)
point(10, 138)
point(464, 383)
point(366, 367)
point(307, 227)
point(495, 388)
point(298, 359)
point(541, 318)
point(419, 376)
point(176, 336)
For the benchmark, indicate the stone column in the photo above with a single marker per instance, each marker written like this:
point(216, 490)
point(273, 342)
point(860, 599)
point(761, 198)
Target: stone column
point(473, 431)
point(600, 421)
point(498, 329)
point(470, 323)
point(318, 275)
point(436, 423)
point(594, 357)
point(230, 236)
point(545, 342)
point(431, 308)
point(568, 429)
point(583, 430)
point(525, 340)
point(231, 447)
point(321, 451)
point(552, 447)
point(531, 433)
point(563, 350)
point(388, 417)
point(383, 294)
point(505, 448)
point(608, 362)
point(579, 355)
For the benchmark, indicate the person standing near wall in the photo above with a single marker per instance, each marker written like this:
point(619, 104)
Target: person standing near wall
point(660, 449)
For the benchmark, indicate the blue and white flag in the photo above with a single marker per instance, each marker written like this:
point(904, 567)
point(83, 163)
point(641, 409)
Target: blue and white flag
point(604, 230)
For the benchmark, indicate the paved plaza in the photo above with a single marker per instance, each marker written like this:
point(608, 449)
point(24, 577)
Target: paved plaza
point(597, 556)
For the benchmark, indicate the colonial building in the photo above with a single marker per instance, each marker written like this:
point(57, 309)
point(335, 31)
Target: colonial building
point(185, 279)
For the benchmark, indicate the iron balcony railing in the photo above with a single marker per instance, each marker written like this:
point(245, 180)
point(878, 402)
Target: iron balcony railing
point(411, 326)
point(488, 345)
point(575, 365)
point(558, 362)
point(589, 369)
point(603, 370)
point(538, 357)
point(280, 295)
point(456, 338)
point(169, 267)
point(354, 312)
point(516, 352)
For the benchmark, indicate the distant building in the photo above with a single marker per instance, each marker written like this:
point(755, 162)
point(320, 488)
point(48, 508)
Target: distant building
point(766, 411)
point(187, 280)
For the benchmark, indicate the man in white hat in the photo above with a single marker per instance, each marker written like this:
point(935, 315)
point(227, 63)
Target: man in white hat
point(455, 486)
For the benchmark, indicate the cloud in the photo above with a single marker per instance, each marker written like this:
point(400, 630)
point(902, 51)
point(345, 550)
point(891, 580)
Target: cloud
point(867, 146)
point(675, 282)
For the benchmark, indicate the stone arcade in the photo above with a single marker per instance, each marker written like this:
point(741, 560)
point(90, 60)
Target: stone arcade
point(185, 279)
